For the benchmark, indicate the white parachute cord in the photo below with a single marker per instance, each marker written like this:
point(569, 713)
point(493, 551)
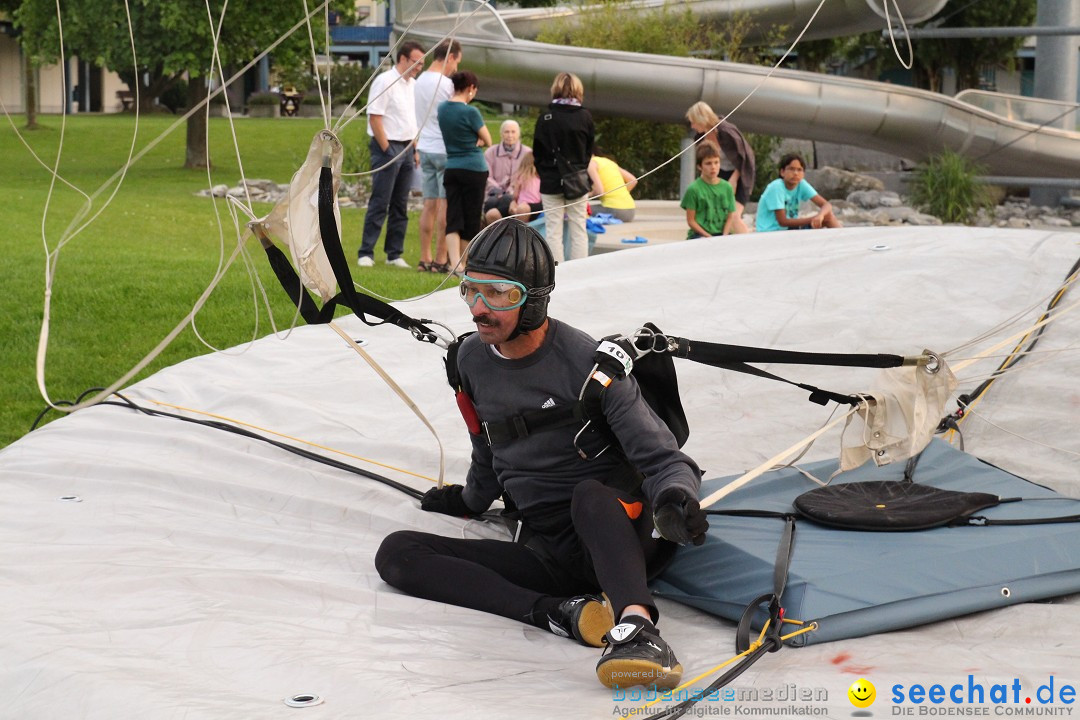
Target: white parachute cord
point(69, 233)
point(253, 279)
point(753, 91)
point(52, 258)
point(37, 158)
point(43, 338)
point(51, 267)
point(389, 59)
point(449, 34)
point(215, 65)
point(142, 363)
point(400, 393)
point(215, 61)
point(892, 36)
point(415, 298)
point(50, 262)
point(323, 101)
point(329, 65)
point(974, 413)
point(1038, 305)
point(805, 449)
point(1050, 317)
point(201, 104)
point(1045, 357)
point(774, 460)
point(232, 203)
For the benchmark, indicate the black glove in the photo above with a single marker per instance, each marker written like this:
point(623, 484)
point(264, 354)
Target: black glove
point(679, 518)
point(446, 500)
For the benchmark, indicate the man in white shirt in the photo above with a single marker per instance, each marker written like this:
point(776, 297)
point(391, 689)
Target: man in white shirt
point(392, 127)
point(433, 87)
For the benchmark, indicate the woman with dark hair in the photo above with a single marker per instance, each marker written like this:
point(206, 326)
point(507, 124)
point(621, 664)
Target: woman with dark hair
point(465, 179)
point(562, 144)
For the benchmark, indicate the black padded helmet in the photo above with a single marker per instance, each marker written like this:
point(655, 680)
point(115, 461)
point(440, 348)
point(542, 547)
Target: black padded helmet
point(511, 249)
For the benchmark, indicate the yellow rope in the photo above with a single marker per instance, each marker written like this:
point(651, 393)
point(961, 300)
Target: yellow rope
point(294, 439)
point(753, 646)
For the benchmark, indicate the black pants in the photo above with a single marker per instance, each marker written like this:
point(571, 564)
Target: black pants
point(464, 201)
point(606, 549)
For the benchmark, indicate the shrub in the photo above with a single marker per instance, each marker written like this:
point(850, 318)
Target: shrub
point(945, 186)
point(765, 147)
point(348, 79)
point(264, 98)
point(174, 97)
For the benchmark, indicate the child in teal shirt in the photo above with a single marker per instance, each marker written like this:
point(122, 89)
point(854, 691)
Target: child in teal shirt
point(778, 208)
point(710, 200)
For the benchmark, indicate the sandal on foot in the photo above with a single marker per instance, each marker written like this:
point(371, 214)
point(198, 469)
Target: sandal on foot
point(424, 266)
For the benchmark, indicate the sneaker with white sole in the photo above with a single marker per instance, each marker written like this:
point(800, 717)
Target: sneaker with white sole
point(365, 261)
point(398, 263)
point(585, 618)
point(637, 655)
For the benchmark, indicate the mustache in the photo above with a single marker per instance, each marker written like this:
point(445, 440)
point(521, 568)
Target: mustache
point(485, 320)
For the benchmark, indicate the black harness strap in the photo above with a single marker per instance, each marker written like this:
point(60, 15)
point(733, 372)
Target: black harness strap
point(452, 375)
point(981, 520)
point(776, 612)
point(525, 424)
point(736, 357)
point(719, 354)
point(290, 281)
point(359, 303)
point(817, 395)
point(613, 360)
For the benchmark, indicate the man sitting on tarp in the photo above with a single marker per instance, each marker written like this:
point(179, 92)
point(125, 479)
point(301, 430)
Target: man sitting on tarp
point(586, 524)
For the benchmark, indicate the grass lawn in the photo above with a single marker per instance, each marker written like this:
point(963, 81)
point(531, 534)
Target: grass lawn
point(132, 274)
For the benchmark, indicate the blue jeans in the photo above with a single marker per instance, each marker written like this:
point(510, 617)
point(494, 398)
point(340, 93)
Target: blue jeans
point(389, 197)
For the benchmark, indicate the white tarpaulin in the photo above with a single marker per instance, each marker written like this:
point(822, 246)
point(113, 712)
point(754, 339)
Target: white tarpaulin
point(200, 574)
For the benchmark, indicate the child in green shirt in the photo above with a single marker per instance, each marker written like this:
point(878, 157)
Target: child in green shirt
point(710, 200)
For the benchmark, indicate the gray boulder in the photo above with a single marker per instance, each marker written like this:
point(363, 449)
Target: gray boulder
point(918, 218)
point(890, 199)
point(833, 182)
point(866, 199)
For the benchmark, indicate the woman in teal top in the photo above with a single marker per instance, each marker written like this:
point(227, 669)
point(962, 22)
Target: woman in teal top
point(465, 179)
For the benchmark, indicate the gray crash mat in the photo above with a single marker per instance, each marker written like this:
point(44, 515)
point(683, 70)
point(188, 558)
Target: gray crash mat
point(855, 583)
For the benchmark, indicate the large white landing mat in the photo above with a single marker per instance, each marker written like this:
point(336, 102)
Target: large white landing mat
point(194, 573)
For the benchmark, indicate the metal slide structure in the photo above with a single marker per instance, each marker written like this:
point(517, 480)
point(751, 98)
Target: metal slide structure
point(903, 121)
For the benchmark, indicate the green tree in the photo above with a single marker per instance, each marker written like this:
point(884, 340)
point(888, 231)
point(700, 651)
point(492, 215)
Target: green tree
point(29, 69)
point(970, 55)
point(642, 145)
point(172, 39)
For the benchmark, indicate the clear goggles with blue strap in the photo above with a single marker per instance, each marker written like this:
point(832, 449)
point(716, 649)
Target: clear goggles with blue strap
point(496, 294)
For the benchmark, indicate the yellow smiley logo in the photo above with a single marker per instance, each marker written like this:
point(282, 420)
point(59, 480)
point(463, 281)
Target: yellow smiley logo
point(862, 693)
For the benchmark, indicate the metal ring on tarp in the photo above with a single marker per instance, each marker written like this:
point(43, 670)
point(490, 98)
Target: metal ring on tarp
point(303, 700)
